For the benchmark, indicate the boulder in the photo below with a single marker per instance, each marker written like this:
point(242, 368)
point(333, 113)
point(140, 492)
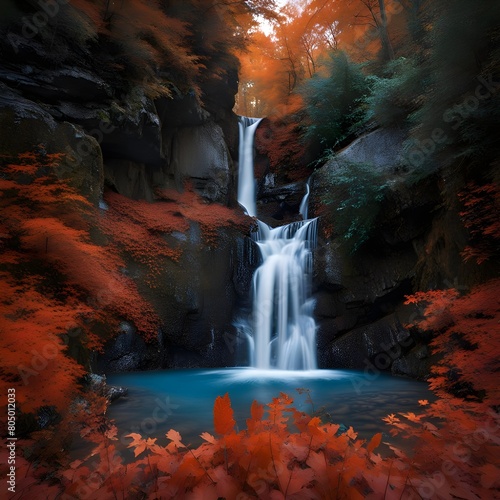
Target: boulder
point(181, 111)
point(134, 132)
point(279, 203)
point(128, 352)
point(379, 344)
point(129, 178)
point(200, 154)
point(195, 298)
point(415, 364)
point(382, 149)
point(97, 383)
point(67, 83)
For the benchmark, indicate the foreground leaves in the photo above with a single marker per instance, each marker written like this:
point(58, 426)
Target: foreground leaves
point(266, 460)
point(223, 415)
point(285, 453)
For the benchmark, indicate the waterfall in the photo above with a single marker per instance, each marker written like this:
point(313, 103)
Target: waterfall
point(304, 204)
point(246, 181)
point(284, 331)
point(281, 330)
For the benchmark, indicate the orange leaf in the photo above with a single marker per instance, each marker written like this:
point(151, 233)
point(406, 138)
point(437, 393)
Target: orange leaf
point(351, 434)
point(223, 415)
point(391, 419)
point(301, 420)
point(490, 475)
point(257, 410)
point(111, 433)
point(374, 442)
point(175, 437)
point(208, 437)
point(314, 429)
point(412, 417)
point(136, 439)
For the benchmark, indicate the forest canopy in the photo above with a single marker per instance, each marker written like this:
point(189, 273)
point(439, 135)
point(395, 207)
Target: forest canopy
point(337, 68)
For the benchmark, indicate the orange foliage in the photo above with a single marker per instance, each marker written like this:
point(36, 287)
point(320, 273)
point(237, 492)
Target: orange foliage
point(145, 39)
point(32, 344)
point(56, 284)
point(36, 309)
point(138, 228)
point(223, 415)
point(280, 139)
point(468, 339)
point(89, 268)
point(275, 64)
point(458, 458)
point(194, 208)
point(266, 461)
point(457, 453)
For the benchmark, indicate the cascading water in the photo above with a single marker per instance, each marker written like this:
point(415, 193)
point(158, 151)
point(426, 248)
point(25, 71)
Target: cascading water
point(282, 330)
point(246, 181)
point(304, 205)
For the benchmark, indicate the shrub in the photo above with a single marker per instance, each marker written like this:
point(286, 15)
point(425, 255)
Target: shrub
point(353, 199)
point(395, 94)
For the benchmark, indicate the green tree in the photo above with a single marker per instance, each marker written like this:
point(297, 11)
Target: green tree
point(334, 100)
point(394, 95)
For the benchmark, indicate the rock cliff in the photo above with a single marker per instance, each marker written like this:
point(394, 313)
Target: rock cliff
point(383, 235)
point(114, 137)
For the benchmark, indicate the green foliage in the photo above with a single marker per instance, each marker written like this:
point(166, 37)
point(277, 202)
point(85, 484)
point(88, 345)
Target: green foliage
point(354, 197)
point(334, 101)
point(395, 94)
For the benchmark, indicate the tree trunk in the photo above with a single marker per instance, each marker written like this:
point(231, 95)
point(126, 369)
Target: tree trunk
point(387, 50)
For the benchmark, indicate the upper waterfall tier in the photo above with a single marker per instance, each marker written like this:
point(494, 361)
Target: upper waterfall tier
point(304, 204)
point(246, 181)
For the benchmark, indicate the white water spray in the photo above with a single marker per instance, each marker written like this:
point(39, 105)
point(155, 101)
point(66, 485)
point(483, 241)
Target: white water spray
point(281, 332)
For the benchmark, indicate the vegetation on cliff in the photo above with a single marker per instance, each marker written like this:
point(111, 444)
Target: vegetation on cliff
point(155, 44)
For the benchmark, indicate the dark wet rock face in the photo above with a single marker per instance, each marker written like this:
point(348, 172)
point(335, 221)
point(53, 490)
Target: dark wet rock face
point(195, 298)
point(145, 143)
point(360, 290)
point(27, 125)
